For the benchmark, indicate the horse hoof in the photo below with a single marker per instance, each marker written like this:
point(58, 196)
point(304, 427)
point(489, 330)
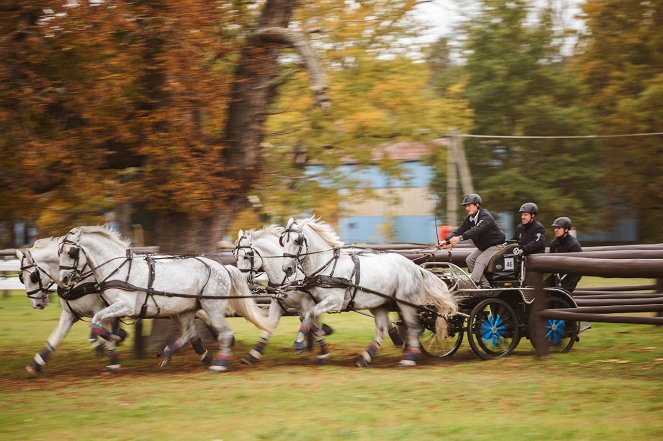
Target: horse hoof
point(163, 361)
point(407, 363)
point(207, 359)
point(322, 359)
point(112, 369)
point(299, 347)
point(328, 330)
point(216, 369)
point(32, 370)
point(361, 362)
point(249, 360)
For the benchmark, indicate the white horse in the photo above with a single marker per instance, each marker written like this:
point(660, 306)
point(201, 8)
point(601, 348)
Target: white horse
point(259, 251)
point(39, 271)
point(173, 287)
point(343, 281)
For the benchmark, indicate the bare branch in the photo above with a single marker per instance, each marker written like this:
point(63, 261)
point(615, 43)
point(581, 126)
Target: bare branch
point(298, 42)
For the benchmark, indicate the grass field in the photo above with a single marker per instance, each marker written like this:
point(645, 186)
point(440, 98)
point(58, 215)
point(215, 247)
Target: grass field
point(610, 387)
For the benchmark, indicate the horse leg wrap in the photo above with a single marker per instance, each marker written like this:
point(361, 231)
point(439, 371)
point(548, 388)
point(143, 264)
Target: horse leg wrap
point(203, 353)
point(97, 330)
point(221, 362)
point(324, 352)
point(304, 329)
point(40, 359)
point(410, 358)
point(114, 362)
point(367, 356)
point(395, 336)
point(119, 337)
point(255, 354)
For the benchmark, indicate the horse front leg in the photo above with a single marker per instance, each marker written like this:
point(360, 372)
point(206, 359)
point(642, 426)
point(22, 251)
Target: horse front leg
point(274, 315)
point(412, 348)
point(67, 319)
point(309, 323)
point(382, 324)
point(115, 310)
point(185, 321)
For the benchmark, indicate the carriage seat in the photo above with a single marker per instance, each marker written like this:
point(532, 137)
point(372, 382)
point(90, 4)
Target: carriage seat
point(504, 265)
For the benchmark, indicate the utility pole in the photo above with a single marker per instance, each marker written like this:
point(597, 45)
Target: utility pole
point(456, 164)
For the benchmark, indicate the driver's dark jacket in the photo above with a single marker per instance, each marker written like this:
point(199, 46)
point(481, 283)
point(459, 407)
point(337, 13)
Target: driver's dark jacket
point(531, 237)
point(485, 233)
point(567, 244)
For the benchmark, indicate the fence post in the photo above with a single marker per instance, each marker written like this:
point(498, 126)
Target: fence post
point(139, 341)
point(659, 289)
point(536, 322)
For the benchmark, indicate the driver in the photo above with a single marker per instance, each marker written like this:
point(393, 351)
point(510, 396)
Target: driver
point(530, 234)
point(564, 243)
point(480, 227)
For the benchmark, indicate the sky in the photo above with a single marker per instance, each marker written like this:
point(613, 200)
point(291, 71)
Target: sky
point(442, 15)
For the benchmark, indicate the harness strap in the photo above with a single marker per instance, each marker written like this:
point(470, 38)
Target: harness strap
point(357, 274)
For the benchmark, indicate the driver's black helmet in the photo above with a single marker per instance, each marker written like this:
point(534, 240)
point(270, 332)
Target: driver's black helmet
point(529, 207)
point(471, 198)
point(563, 222)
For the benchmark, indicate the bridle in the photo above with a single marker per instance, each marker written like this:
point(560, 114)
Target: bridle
point(251, 253)
point(300, 240)
point(35, 277)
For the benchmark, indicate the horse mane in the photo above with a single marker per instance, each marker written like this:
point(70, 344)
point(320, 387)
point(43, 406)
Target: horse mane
point(45, 242)
point(107, 233)
point(323, 229)
point(273, 229)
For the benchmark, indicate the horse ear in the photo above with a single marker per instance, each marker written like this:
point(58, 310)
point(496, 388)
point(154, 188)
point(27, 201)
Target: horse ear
point(19, 254)
point(240, 234)
point(290, 221)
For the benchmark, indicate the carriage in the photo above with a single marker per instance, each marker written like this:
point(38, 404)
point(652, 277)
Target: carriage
point(495, 320)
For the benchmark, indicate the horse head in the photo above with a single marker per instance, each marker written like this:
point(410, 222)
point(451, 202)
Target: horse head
point(72, 259)
point(294, 245)
point(36, 280)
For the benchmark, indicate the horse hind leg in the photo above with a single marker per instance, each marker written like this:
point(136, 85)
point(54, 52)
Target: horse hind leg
point(255, 354)
point(413, 329)
point(185, 322)
point(381, 328)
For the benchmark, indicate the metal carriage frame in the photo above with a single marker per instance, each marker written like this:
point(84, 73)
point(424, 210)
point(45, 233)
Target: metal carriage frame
point(496, 319)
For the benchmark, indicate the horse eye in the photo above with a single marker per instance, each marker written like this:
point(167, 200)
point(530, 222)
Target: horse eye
point(34, 277)
point(74, 252)
point(299, 240)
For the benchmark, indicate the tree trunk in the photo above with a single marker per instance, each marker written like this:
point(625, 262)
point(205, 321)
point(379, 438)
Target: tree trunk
point(253, 90)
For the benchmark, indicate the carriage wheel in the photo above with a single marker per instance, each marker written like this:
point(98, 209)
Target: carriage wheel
point(493, 329)
point(561, 335)
point(446, 347)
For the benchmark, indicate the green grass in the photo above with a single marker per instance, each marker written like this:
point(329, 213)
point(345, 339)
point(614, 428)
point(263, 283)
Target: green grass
point(609, 387)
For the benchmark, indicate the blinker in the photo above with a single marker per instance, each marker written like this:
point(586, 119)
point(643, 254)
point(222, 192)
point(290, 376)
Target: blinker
point(74, 252)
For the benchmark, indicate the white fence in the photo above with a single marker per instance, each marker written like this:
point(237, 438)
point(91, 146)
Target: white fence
point(9, 275)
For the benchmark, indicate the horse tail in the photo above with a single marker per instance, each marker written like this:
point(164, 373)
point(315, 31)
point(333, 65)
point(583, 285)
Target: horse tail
point(434, 291)
point(245, 305)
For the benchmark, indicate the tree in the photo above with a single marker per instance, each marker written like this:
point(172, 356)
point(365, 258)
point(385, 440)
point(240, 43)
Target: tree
point(143, 102)
point(381, 94)
point(620, 60)
point(518, 85)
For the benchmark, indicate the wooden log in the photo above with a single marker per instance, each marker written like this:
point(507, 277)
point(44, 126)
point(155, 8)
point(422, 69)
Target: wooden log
point(617, 288)
point(605, 318)
point(596, 267)
point(601, 302)
point(613, 309)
